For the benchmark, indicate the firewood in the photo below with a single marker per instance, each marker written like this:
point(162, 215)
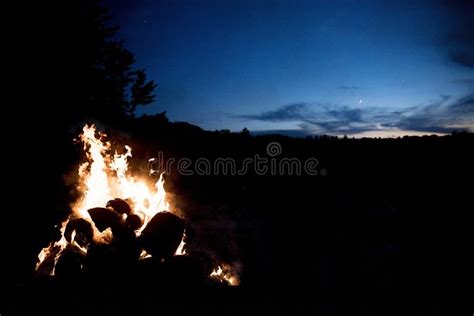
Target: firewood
point(120, 206)
point(134, 221)
point(104, 218)
point(84, 232)
point(163, 234)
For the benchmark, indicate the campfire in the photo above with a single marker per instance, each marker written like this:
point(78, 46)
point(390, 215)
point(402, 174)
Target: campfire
point(120, 221)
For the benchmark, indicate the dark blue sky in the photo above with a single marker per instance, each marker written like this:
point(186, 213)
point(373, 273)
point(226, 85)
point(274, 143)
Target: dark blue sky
point(337, 67)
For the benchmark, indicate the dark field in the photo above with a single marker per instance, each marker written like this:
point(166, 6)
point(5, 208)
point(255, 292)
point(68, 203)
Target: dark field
point(390, 217)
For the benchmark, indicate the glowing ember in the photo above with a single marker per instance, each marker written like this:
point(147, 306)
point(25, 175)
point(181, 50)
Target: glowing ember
point(222, 276)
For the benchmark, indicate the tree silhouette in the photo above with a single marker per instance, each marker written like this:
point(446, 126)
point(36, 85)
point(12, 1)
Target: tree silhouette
point(142, 92)
point(106, 86)
point(245, 131)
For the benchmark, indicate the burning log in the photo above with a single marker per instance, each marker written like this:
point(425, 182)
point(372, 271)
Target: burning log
point(150, 269)
point(120, 206)
point(46, 265)
point(104, 218)
point(69, 263)
point(134, 221)
point(163, 234)
point(125, 244)
point(100, 259)
point(111, 259)
point(82, 229)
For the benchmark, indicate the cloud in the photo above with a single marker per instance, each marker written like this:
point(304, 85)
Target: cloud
point(346, 114)
point(463, 106)
point(328, 118)
point(291, 132)
point(348, 88)
point(441, 115)
point(289, 112)
point(337, 119)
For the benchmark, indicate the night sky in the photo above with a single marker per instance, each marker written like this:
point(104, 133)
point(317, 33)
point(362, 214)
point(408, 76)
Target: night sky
point(375, 68)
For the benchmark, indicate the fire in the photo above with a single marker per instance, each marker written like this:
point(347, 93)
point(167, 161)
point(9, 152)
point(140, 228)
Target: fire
point(222, 276)
point(103, 177)
point(181, 251)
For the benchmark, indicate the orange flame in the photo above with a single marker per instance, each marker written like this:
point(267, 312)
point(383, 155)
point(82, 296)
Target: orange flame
point(226, 276)
point(103, 177)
